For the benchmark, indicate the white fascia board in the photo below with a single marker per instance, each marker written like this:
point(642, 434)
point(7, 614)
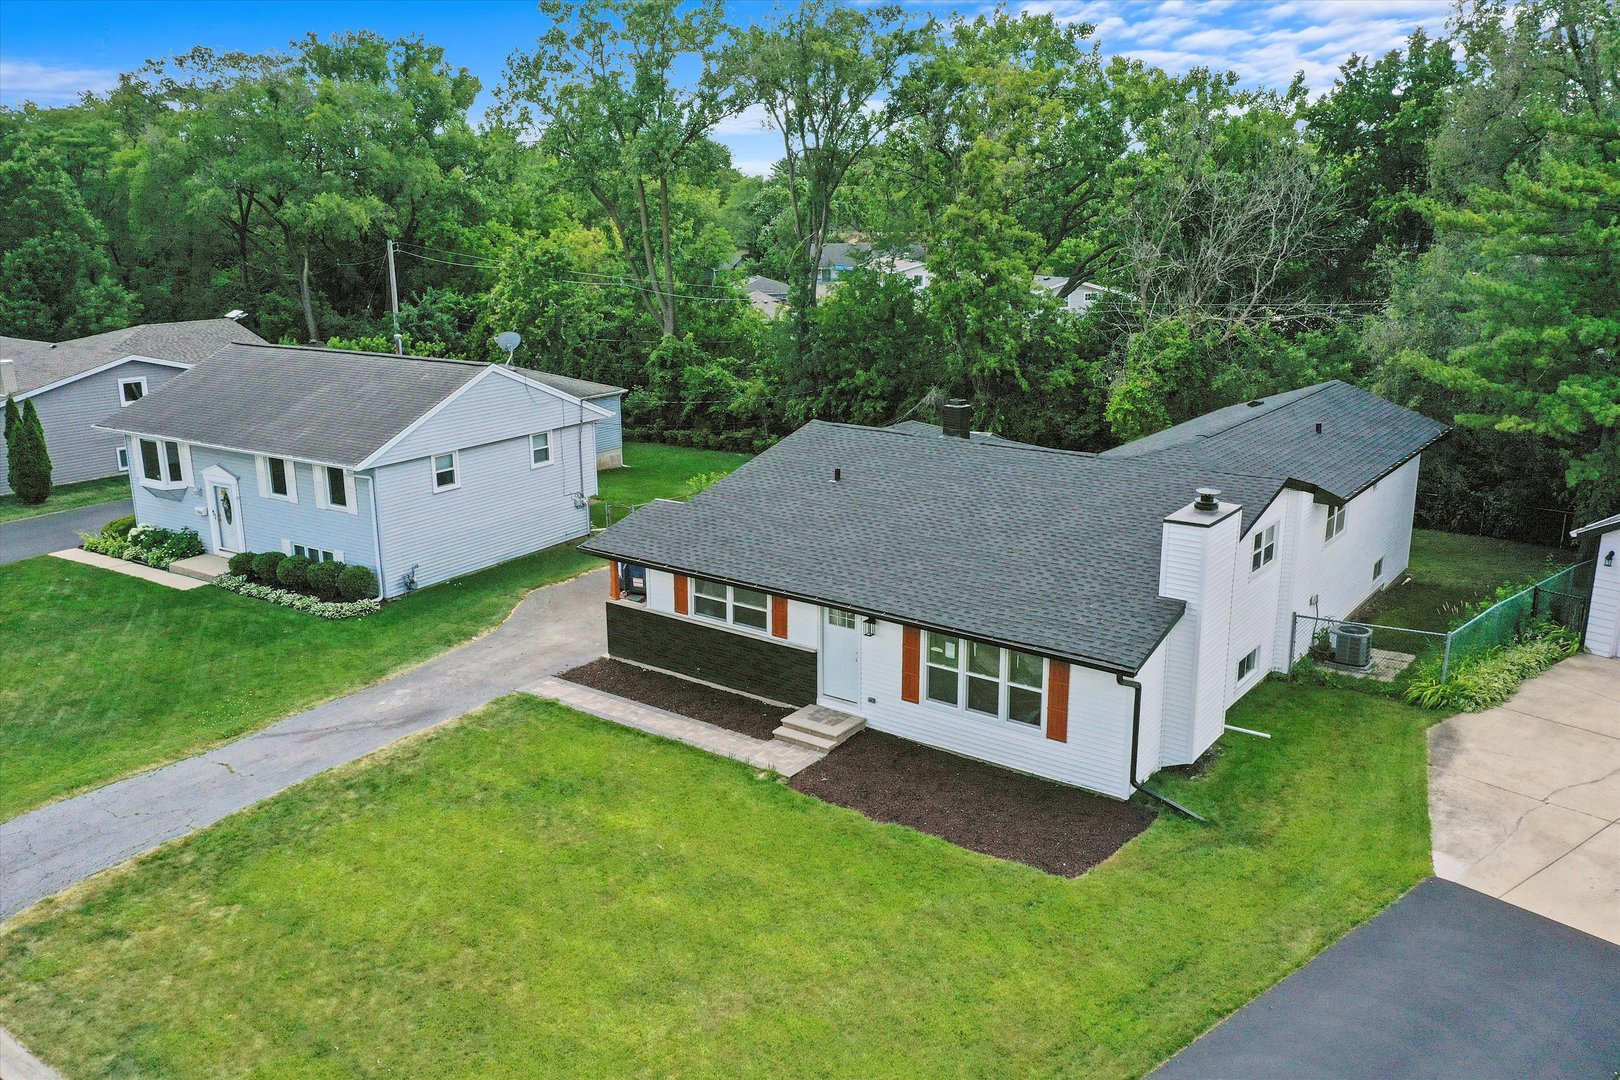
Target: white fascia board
point(108, 366)
point(219, 446)
point(601, 413)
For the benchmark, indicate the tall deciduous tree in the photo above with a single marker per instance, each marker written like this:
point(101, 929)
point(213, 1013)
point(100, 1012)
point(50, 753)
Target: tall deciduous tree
point(610, 91)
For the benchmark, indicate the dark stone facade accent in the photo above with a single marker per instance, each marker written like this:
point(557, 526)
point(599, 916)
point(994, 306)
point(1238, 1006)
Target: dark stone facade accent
point(759, 666)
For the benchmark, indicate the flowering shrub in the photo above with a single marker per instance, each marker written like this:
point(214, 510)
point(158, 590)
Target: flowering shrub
point(147, 544)
point(325, 609)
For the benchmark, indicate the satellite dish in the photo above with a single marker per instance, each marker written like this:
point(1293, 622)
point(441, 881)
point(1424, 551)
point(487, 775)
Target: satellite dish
point(509, 341)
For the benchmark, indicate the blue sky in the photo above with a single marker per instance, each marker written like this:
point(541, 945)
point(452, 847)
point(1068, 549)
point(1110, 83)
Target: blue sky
point(52, 50)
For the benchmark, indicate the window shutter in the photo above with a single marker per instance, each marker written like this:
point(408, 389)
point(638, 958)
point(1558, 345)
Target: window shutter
point(910, 663)
point(1057, 701)
point(680, 594)
point(779, 616)
point(613, 579)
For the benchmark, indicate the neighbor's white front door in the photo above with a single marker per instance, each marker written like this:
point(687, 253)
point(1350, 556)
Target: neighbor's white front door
point(224, 510)
point(841, 655)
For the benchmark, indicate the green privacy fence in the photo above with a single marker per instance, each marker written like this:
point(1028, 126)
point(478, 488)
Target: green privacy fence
point(1561, 598)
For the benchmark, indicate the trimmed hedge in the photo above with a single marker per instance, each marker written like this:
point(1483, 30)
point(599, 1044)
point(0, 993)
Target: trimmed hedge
point(265, 565)
point(298, 601)
point(332, 590)
point(242, 564)
point(119, 527)
point(293, 573)
point(357, 583)
point(323, 579)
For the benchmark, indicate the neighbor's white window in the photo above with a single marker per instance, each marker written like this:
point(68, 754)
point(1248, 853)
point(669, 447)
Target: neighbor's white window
point(1247, 665)
point(731, 604)
point(123, 458)
point(334, 489)
point(277, 480)
point(131, 390)
point(1335, 521)
point(540, 449)
point(1265, 548)
point(446, 471)
point(1004, 684)
point(163, 463)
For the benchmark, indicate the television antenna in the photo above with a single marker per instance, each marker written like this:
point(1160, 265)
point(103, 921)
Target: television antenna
point(509, 341)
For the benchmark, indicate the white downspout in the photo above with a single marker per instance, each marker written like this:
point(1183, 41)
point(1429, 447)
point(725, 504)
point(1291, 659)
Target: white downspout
point(376, 534)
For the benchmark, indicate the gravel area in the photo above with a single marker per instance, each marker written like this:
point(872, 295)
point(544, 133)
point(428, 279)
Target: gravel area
point(734, 712)
point(1054, 828)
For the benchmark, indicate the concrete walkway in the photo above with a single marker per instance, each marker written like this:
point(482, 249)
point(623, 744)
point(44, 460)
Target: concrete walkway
point(16, 1063)
point(128, 569)
point(46, 533)
point(61, 844)
point(1524, 799)
point(785, 758)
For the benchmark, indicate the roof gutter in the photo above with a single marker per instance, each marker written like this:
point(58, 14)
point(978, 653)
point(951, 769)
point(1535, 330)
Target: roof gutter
point(1136, 742)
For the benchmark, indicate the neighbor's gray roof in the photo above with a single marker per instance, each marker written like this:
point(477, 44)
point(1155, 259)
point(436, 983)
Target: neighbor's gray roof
point(1052, 551)
point(40, 363)
point(327, 405)
point(1596, 527)
point(583, 389)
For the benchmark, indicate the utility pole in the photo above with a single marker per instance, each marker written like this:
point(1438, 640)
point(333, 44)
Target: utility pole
point(393, 293)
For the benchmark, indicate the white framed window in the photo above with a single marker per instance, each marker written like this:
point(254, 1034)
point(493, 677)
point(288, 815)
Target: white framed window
point(732, 604)
point(985, 680)
point(446, 471)
point(1247, 665)
point(123, 458)
point(131, 390)
point(1265, 548)
point(334, 489)
point(165, 463)
point(313, 554)
point(1378, 569)
point(277, 479)
point(539, 449)
point(1335, 521)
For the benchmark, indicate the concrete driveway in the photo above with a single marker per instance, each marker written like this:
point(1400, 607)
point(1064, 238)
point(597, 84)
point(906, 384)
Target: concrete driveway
point(1524, 799)
point(52, 532)
point(60, 844)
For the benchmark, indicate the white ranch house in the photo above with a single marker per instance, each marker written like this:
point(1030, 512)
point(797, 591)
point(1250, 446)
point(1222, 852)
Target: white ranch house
point(420, 469)
point(1082, 617)
point(1603, 617)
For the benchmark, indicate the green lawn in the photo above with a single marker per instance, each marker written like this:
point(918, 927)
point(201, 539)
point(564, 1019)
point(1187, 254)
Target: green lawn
point(654, 471)
point(531, 892)
point(66, 497)
point(1451, 570)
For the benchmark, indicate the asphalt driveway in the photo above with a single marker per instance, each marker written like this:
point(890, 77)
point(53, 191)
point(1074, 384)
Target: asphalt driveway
point(52, 532)
point(58, 845)
point(1524, 799)
point(1446, 983)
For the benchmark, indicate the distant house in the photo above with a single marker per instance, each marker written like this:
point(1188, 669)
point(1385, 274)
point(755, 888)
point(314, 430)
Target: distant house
point(838, 260)
point(420, 469)
point(1603, 617)
point(767, 294)
point(610, 399)
point(74, 383)
point(1084, 617)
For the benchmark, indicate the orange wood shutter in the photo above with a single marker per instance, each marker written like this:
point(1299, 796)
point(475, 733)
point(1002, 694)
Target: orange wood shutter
point(613, 579)
point(779, 616)
point(680, 594)
point(1057, 701)
point(910, 663)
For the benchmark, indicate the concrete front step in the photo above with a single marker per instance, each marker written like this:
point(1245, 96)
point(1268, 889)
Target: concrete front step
point(201, 567)
point(818, 728)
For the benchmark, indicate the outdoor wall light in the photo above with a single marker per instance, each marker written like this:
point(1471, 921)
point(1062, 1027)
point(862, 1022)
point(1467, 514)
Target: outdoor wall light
point(870, 626)
point(1608, 560)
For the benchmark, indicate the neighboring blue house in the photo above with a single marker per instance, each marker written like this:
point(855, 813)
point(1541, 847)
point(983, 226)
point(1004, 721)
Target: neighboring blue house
point(610, 399)
point(75, 383)
point(421, 469)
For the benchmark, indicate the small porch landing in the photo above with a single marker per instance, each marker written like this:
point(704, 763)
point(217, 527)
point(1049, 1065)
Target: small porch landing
point(816, 727)
point(201, 567)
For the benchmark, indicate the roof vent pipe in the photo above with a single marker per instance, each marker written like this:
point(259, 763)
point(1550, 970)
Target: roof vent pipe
point(838, 476)
point(956, 418)
point(1209, 500)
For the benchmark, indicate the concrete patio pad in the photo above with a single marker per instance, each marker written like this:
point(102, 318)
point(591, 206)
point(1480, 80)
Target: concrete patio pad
point(1524, 799)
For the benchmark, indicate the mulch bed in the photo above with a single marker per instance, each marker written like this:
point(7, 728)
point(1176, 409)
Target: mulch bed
point(1054, 828)
point(733, 712)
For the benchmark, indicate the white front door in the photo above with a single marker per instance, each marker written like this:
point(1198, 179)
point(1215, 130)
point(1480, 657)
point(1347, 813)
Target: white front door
point(224, 511)
point(841, 655)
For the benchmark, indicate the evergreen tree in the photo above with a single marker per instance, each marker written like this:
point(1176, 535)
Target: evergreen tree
point(30, 462)
point(12, 416)
point(13, 422)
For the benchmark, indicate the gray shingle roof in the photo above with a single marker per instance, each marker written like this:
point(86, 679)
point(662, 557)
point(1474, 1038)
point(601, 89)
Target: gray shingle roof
point(40, 363)
point(583, 389)
point(326, 405)
point(1053, 551)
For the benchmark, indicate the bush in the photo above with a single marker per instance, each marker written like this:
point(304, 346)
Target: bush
point(159, 547)
point(357, 583)
point(115, 546)
point(119, 527)
point(293, 573)
point(298, 601)
point(265, 566)
point(322, 579)
point(1490, 678)
point(242, 564)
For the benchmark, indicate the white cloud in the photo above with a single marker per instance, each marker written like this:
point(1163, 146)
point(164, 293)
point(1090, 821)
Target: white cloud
point(50, 84)
point(753, 166)
point(750, 121)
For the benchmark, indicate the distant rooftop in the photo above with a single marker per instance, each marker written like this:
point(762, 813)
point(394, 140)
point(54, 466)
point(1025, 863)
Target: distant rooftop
point(41, 363)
